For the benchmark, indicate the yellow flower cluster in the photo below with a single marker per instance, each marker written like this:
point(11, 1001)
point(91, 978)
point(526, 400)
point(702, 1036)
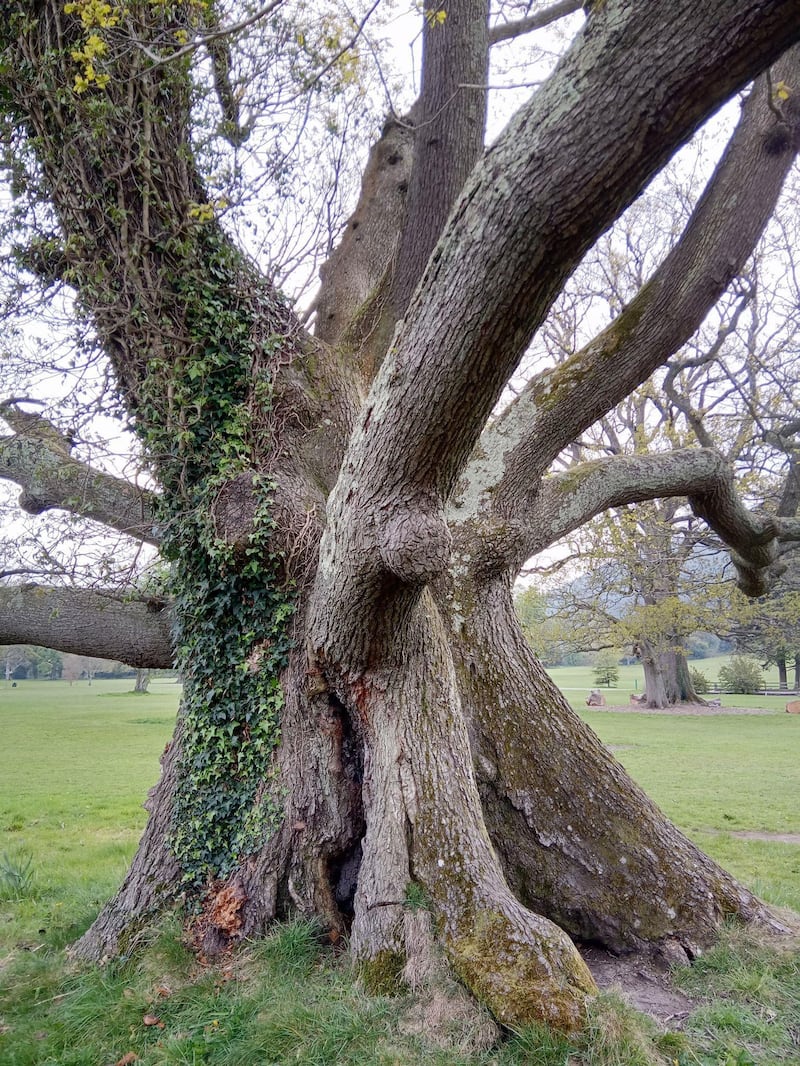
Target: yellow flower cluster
point(94, 13)
point(205, 212)
point(94, 48)
point(101, 15)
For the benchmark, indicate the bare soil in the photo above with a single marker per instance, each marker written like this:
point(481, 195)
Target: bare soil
point(643, 982)
point(680, 709)
point(777, 838)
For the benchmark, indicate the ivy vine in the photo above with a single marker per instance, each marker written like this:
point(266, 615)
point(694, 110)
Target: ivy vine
point(193, 332)
point(202, 419)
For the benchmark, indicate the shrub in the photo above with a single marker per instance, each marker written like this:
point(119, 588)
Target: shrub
point(741, 675)
point(700, 682)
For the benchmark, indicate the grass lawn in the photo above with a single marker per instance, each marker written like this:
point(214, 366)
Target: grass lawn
point(75, 765)
point(577, 681)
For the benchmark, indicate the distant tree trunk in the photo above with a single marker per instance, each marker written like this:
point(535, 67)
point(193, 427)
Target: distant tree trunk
point(783, 677)
point(797, 672)
point(677, 676)
point(142, 680)
point(654, 681)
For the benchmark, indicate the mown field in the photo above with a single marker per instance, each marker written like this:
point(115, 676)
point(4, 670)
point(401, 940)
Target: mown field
point(75, 765)
point(577, 681)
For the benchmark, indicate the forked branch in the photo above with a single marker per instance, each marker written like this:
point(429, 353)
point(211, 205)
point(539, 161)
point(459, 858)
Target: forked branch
point(37, 458)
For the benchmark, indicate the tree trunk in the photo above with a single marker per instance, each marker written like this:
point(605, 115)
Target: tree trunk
point(547, 836)
point(797, 672)
point(667, 679)
point(655, 685)
point(783, 678)
point(579, 841)
point(677, 677)
point(142, 681)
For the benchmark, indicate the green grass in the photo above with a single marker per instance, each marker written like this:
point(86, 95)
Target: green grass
point(75, 766)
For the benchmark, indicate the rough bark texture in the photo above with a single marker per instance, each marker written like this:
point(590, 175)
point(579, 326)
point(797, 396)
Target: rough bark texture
point(449, 120)
point(366, 252)
point(132, 631)
point(579, 841)
point(38, 459)
point(718, 239)
point(404, 662)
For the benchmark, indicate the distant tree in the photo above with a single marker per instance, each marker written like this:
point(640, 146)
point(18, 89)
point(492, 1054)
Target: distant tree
point(547, 633)
point(26, 660)
point(769, 628)
point(142, 680)
point(606, 669)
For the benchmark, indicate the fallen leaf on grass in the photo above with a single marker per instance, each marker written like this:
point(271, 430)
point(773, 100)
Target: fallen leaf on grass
point(163, 991)
point(126, 1060)
point(153, 1019)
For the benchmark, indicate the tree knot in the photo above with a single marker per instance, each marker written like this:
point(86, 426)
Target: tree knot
point(415, 545)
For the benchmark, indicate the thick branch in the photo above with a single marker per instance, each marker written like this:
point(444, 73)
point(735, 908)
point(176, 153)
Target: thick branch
point(567, 501)
point(136, 632)
point(449, 120)
point(790, 494)
point(51, 478)
point(413, 176)
point(752, 540)
point(722, 232)
point(355, 269)
point(508, 31)
point(634, 86)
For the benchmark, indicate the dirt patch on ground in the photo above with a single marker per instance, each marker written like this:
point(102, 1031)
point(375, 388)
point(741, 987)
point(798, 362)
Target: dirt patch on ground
point(680, 709)
point(643, 982)
point(776, 838)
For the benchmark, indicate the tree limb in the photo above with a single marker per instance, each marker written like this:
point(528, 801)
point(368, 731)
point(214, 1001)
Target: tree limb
point(632, 89)
point(37, 458)
point(136, 632)
point(752, 541)
point(507, 31)
point(558, 405)
point(567, 501)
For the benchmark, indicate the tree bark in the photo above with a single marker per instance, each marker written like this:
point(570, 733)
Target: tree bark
point(52, 478)
point(384, 683)
point(579, 841)
point(136, 632)
point(142, 680)
point(449, 120)
point(678, 677)
point(655, 685)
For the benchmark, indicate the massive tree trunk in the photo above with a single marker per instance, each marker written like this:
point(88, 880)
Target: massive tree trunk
point(667, 679)
point(343, 567)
